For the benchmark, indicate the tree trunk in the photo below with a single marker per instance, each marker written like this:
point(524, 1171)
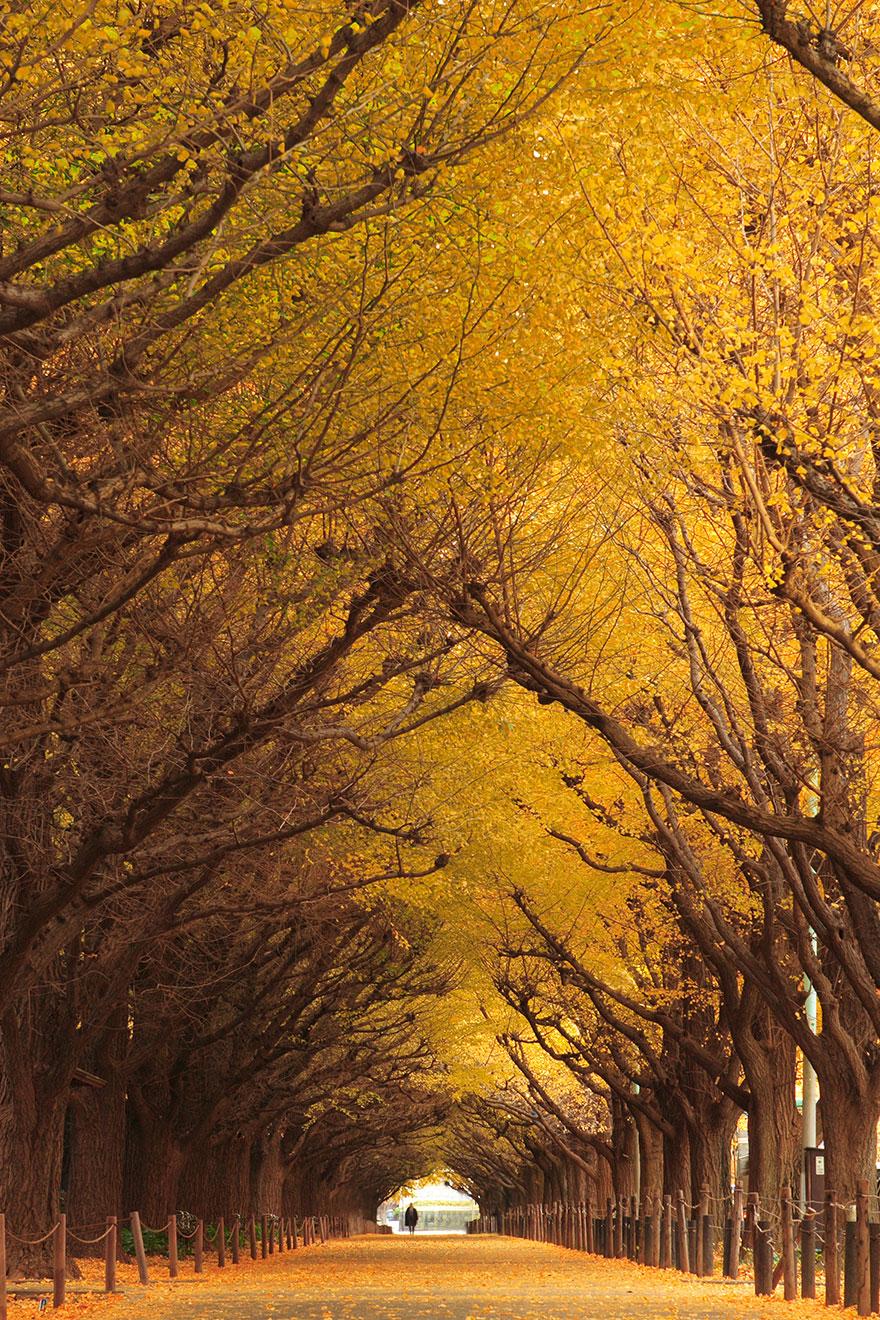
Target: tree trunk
point(650, 1158)
point(267, 1173)
point(216, 1180)
point(849, 1123)
point(153, 1165)
point(711, 1153)
point(677, 1161)
point(96, 1153)
point(37, 1055)
point(31, 1146)
point(623, 1143)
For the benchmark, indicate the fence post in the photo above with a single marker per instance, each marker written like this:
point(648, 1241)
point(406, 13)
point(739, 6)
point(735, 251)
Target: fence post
point(736, 1231)
point(110, 1255)
point(849, 1256)
point(682, 1227)
point(692, 1243)
point(199, 1246)
point(762, 1253)
point(172, 1246)
point(863, 1250)
point(234, 1241)
point(221, 1243)
point(789, 1267)
point(666, 1234)
point(701, 1212)
point(830, 1255)
point(874, 1231)
point(59, 1262)
point(808, 1254)
point(137, 1234)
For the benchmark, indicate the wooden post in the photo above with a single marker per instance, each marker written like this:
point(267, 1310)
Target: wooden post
point(666, 1246)
point(110, 1255)
point(264, 1245)
point(702, 1211)
point(234, 1241)
point(682, 1228)
point(141, 1255)
point(692, 1243)
point(748, 1234)
point(591, 1228)
point(280, 1226)
point(874, 1230)
point(863, 1250)
point(172, 1246)
point(295, 1242)
point(59, 1262)
point(808, 1254)
point(849, 1256)
point(269, 1228)
point(830, 1255)
point(751, 1231)
point(609, 1227)
point(762, 1253)
point(789, 1265)
point(655, 1232)
point(199, 1247)
point(221, 1243)
point(736, 1230)
point(322, 1228)
point(252, 1237)
point(3, 1307)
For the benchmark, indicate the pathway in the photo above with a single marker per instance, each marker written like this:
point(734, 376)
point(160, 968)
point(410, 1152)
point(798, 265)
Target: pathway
point(446, 1278)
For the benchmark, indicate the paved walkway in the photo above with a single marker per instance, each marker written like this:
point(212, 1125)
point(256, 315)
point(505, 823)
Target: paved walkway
point(446, 1278)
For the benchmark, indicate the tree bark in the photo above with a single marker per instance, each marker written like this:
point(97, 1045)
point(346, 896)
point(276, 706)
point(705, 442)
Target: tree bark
point(153, 1165)
point(849, 1124)
point(96, 1155)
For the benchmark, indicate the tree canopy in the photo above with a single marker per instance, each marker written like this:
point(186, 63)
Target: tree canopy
point(439, 613)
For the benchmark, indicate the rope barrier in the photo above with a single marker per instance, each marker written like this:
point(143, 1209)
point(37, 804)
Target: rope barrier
point(32, 1242)
point(91, 1242)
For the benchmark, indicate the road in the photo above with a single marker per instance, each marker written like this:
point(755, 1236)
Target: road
point(445, 1278)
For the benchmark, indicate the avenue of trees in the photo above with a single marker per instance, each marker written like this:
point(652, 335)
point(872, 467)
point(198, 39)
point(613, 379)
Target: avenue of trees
point(439, 601)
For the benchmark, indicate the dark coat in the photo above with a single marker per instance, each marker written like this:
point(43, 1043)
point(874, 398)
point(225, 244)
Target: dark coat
point(411, 1217)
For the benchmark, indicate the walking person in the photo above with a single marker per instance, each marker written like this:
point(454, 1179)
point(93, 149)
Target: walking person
point(411, 1218)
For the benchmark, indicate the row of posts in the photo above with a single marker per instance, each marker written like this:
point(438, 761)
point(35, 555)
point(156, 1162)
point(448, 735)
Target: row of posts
point(666, 1233)
point(275, 1235)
